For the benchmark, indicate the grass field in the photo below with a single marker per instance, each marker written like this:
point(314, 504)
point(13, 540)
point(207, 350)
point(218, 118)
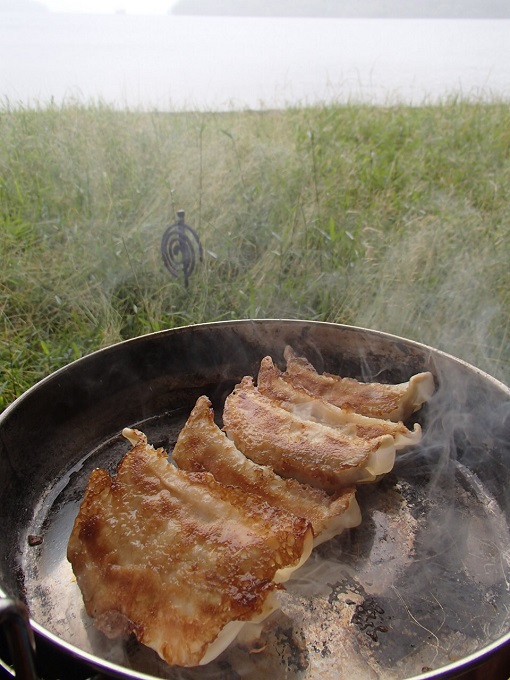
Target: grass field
point(392, 218)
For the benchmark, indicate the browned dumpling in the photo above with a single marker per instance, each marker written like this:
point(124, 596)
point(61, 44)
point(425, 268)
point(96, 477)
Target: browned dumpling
point(310, 452)
point(202, 446)
point(177, 558)
point(377, 400)
point(297, 400)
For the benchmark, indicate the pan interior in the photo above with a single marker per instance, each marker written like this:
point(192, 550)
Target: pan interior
point(420, 584)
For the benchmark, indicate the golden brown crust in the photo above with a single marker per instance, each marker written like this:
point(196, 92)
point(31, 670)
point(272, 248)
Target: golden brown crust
point(309, 452)
point(175, 556)
point(201, 446)
point(377, 400)
point(272, 383)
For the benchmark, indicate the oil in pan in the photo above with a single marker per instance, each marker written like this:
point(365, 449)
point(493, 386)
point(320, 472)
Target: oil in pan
point(414, 588)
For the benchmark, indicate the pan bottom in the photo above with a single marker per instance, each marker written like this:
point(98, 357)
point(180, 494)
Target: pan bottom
point(419, 585)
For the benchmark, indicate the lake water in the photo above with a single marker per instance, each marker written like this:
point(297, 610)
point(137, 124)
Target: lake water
point(176, 62)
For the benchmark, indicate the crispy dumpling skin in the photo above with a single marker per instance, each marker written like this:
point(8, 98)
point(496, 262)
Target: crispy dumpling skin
point(202, 446)
point(271, 382)
point(310, 452)
point(177, 558)
point(377, 400)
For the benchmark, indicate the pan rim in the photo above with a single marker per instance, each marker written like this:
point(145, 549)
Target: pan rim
point(246, 321)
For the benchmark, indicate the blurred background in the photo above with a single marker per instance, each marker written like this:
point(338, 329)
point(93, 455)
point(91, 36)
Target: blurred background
point(252, 53)
point(340, 165)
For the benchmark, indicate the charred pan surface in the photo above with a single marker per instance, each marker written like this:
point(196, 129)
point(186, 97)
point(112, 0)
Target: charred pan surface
point(394, 560)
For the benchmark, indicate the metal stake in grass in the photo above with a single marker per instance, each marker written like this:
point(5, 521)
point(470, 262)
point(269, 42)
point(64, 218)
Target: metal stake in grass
point(179, 246)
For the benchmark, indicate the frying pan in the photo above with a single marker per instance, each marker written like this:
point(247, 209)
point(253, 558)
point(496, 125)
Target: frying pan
point(419, 590)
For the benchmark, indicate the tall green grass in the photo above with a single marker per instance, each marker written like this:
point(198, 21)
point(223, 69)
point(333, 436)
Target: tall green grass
point(392, 218)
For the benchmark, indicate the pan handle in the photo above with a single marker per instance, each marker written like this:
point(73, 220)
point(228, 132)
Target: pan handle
point(20, 638)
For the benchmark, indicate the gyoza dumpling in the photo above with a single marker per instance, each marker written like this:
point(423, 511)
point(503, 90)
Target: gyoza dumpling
point(297, 400)
point(202, 446)
point(177, 558)
point(310, 452)
point(377, 400)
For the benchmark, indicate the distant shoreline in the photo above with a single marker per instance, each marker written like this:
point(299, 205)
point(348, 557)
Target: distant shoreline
point(377, 9)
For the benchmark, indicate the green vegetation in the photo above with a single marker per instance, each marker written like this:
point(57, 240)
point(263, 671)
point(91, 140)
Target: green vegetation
point(392, 218)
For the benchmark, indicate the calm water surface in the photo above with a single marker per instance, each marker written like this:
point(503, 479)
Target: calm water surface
point(175, 62)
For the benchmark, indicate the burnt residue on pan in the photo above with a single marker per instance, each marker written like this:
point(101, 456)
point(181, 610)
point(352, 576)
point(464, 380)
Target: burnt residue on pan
point(391, 596)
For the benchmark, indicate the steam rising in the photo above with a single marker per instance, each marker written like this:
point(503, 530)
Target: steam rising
point(434, 283)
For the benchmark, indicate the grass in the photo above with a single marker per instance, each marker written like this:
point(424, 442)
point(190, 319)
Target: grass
point(392, 218)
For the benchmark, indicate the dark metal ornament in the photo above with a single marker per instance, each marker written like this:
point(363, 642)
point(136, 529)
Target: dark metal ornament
point(179, 247)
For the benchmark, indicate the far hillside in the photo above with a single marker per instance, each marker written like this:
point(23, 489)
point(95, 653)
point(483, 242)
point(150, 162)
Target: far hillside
point(418, 9)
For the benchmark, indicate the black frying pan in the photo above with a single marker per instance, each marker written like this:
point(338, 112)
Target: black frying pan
point(420, 589)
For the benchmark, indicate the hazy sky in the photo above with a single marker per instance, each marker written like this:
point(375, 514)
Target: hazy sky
point(108, 6)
